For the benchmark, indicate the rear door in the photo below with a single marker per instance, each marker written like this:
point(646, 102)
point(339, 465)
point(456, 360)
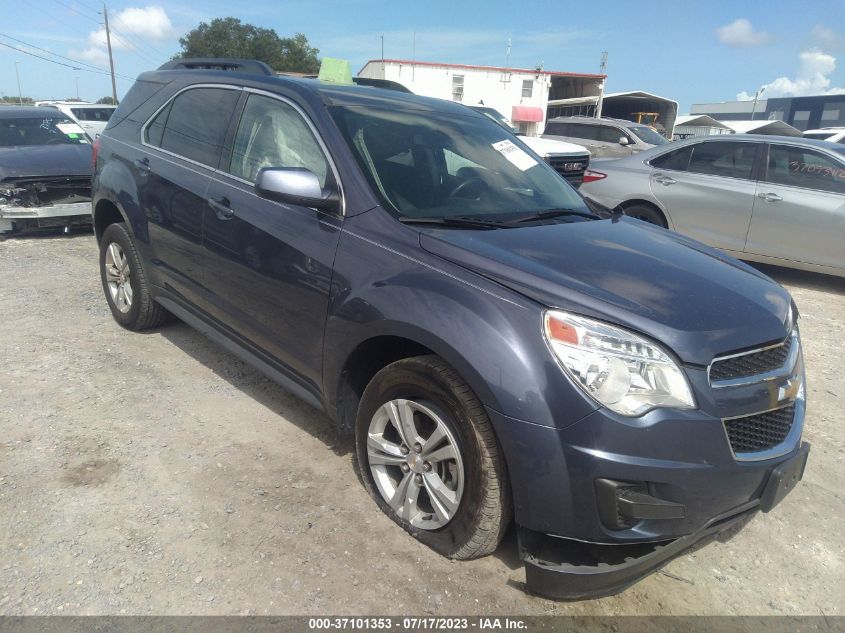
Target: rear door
point(182, 145)
point(799, 210)
point(708, 190)
point(270, 263)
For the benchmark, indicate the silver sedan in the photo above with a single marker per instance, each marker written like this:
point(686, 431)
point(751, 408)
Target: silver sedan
point(777, 200)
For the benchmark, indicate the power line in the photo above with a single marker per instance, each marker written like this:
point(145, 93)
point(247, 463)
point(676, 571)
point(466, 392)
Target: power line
point(124, 34)
point(53, 61)
point(49, 52)
point(78, 12)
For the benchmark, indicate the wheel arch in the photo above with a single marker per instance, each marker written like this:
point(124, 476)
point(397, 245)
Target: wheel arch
point(392, 343)
point(106, 212)
point(647, 203)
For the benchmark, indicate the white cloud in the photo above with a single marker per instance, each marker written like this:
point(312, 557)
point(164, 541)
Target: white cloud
point(813, 78)
point(741, 33)
point(130, 26)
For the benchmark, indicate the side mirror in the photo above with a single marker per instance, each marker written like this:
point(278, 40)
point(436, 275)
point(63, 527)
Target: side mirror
point(623, 140)
point(295, 185)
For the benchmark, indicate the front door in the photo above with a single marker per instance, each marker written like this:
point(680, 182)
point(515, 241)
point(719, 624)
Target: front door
point(270, 263)
point(799, 210)
point(708, 190)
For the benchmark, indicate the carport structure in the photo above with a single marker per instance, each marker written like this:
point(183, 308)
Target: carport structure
point(638, 106)
point(689, 126)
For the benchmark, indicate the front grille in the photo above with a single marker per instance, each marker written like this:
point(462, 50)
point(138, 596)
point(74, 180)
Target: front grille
point(751, 364)
point(761, 431)
point(571, 168)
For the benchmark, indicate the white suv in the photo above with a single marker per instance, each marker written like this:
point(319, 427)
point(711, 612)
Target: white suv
point(829, 134)
point(92, 117)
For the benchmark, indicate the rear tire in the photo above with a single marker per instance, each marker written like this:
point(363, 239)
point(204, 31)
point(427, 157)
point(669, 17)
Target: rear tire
point(460, 505)
point(646, 213)
point(124, 282)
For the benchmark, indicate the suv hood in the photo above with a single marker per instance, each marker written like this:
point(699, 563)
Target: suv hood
point(694, 299)
point(35, 161)
point(546, 146)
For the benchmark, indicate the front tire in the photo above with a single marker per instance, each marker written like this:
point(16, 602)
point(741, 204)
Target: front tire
point(430, 460)
point(646, 213)
point(124, 282)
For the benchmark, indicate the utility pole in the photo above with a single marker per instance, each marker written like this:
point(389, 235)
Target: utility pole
point(602, 70)
point(756, 96)
point(18, 75)
point(383, 69)
point(77, 87)
point(111, 59)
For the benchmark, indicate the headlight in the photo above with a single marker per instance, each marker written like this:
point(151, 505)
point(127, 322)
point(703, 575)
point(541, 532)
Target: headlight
point(622, 371)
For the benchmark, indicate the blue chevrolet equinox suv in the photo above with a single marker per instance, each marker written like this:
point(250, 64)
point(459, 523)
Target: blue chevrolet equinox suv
point(500, 353)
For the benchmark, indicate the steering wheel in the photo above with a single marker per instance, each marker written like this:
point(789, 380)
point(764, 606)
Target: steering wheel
point(462, 186)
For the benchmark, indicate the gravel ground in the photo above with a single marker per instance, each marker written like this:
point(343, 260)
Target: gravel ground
point(156, 473)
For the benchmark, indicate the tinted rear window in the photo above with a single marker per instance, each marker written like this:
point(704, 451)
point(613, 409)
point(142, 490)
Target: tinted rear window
point(196, 124)
point(719, 158)
point(93, 114)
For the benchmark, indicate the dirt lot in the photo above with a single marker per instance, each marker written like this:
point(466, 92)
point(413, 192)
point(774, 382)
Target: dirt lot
point(155, 473)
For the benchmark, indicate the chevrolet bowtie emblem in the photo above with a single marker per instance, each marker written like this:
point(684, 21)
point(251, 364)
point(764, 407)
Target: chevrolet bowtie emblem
point(789, 391)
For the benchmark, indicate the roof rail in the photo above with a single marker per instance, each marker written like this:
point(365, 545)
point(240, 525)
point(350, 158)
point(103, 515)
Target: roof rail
point(252, 66)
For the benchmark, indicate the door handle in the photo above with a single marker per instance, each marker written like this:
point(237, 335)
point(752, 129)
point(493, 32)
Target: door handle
point(664, 180)
point(769, 197)
point(143, 165)
point(221, 208)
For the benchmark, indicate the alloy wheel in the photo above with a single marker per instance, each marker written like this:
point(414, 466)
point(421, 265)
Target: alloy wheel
point(416, 463)
point(118, 277)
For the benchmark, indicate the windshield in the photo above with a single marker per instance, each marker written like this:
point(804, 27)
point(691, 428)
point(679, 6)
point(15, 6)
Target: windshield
point(497, 116)
point(426, 164)
point(50, 130)
point(647, 135)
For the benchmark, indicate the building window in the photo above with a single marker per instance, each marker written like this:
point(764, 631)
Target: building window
point(457, 87)
point(830, 114)
point(801, 119)
point(527, 88)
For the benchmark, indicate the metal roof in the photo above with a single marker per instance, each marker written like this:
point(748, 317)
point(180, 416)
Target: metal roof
point(501, 69)
point(699, 120)
point(779, 128)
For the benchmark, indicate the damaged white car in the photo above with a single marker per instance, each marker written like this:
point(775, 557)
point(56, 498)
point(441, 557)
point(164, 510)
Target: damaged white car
point(45, 171)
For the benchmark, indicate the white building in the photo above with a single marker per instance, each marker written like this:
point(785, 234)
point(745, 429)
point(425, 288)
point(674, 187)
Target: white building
point(521, 94)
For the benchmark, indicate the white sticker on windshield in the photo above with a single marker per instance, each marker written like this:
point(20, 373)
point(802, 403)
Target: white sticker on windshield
point(514, 154)
point(69, 128)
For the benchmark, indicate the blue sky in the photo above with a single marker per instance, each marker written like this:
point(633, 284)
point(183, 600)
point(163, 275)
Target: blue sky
point(690, 52)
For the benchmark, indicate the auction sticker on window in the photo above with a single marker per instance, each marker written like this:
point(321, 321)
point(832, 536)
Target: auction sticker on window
point(514, 154)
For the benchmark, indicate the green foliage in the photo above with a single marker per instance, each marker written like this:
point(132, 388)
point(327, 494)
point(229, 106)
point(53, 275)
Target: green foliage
point(107, 101)
point(13, 100)
point(229, 37)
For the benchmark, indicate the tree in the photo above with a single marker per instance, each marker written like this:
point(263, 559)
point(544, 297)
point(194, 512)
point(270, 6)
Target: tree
point(107, 101)
point(229, 37)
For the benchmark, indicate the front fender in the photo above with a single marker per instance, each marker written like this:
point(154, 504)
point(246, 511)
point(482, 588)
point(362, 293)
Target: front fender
point(385, 284)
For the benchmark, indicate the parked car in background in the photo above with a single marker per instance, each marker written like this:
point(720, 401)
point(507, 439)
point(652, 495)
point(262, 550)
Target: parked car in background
point(604, 137)
point(92, 117)
point(778, 200)
point(568, 159)
point(45, 170)
point(829, 134)
point(495, 349)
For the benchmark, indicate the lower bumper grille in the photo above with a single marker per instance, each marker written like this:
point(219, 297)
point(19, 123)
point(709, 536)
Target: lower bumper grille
point(760, 432)
point(570, 168)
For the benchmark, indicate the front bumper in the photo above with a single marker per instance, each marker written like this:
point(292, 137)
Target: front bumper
point(55, 215)
point(563, 569)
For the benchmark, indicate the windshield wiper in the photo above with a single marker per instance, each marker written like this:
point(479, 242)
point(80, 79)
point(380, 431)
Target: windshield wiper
point(554, 213)
point(456, 221)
